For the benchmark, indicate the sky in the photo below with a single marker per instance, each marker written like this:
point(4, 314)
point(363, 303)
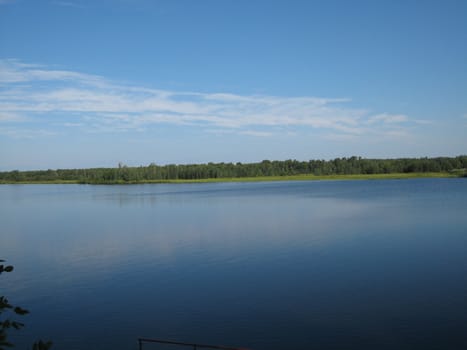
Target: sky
point(96, 83)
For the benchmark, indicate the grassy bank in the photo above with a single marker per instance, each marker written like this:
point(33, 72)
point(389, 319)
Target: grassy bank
point(305, 177)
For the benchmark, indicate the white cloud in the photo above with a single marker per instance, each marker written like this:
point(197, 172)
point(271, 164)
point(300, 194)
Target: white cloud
point(100, 105)
point(218, 131)
point(14, 71)
point(423, 121)
point(25, 133)
point(73, 125)
point(256, 133)
point(388, 118)
point(10, 117)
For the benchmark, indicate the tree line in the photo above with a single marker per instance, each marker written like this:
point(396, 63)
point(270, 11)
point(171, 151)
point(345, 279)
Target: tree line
point(153, 172)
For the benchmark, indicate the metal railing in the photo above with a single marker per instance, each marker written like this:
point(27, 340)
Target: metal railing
point(193, 345)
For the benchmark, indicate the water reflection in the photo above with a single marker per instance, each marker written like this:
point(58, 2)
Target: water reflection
point(268, 266)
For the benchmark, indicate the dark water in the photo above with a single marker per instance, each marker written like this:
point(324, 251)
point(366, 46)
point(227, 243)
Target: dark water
point(289, 265)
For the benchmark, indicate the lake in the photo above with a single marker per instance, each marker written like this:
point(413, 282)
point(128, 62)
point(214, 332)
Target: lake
point(378, 264)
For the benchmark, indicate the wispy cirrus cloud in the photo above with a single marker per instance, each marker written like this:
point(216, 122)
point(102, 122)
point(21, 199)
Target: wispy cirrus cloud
point(10, 117)
point(15, 71)
point(25, 133)
point(95, 104)
point(388, 118)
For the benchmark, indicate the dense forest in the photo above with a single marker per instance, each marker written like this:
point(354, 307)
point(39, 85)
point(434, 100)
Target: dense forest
point(153, 172)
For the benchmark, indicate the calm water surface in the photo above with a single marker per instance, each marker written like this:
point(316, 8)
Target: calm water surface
point(288, 265)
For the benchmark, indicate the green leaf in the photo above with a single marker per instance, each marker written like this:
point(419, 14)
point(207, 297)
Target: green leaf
point(20, 311)
point(40, 345)
point(4, 304)
point(17, 325)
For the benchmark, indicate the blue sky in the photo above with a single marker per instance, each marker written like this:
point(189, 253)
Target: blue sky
point(94, 83)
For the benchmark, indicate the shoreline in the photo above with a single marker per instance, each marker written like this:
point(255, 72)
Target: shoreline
point(305, 177)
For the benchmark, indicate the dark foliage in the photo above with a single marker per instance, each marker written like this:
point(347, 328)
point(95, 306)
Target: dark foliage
point(7, 310)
